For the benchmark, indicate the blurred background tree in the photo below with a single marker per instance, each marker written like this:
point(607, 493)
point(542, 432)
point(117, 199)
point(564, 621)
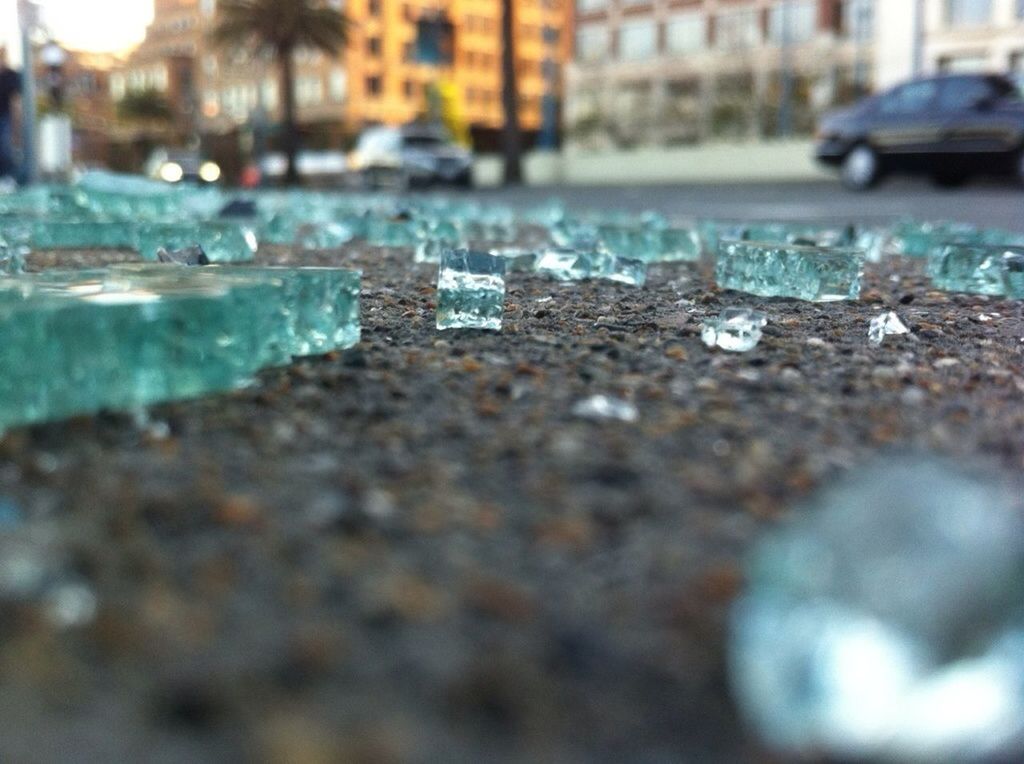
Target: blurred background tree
point(282, 27)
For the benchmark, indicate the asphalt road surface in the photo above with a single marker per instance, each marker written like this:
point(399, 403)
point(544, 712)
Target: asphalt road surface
point(982, 203)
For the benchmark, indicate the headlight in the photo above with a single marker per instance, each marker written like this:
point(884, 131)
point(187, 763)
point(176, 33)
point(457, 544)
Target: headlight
point(210, 172)
point(171, 172)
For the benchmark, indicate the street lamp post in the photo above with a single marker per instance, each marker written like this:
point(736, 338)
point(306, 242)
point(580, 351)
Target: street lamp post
point(918, 37)
point(785, 73)
point(28, 20)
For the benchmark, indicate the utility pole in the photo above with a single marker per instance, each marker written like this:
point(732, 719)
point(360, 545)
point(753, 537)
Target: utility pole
point(785, 74)
point(918, 38)
point(28, 20)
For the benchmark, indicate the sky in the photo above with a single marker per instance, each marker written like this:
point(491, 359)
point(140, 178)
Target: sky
point(95, 25)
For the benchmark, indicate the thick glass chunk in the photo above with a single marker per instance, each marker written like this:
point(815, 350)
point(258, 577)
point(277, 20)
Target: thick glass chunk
point(972, 268)
point(817, 274)
point(470, 290)
point(885, 623)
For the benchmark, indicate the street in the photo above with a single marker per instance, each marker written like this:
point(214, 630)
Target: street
point(983, 203)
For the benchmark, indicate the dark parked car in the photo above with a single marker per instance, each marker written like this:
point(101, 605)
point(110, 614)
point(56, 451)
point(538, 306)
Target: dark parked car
point(949, 128)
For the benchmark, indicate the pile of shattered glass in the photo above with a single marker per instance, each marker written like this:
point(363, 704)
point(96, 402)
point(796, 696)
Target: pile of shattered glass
point(130, 335)
point(886, 623)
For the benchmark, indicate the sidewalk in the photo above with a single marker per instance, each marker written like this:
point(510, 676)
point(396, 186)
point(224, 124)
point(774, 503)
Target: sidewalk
point(720, 162)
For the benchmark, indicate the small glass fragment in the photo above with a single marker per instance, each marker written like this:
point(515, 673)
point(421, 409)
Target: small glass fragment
point(886, 324)
point(885, 623)
point(190, 256)
point(565, 264)
point(624, 270)
point(223, 242)
point(518, 260)
point(603, 407)
point(470, 290)
point(737, 330)
point(768, 269)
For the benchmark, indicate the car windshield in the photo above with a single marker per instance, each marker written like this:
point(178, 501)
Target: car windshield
point(379, 141)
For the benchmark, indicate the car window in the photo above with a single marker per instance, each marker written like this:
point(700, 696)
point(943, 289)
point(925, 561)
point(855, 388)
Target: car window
point(379, 141)
point(424, 141)
point(962, 93)
point(913, 98)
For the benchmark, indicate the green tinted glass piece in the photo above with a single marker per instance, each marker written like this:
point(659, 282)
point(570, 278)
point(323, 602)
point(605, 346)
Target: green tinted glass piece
point(470, 290)
point(788, 270)
point(222, 242)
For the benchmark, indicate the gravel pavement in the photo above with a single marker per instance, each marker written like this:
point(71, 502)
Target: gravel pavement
point(413, 551)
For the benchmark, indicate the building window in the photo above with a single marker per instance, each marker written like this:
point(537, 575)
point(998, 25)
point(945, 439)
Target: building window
point(964, 12)
point(859, 19)
point(270, 93)
point(338, 84)
point(117, 87)
point(589, 6)
point(737, 29)
point(638, 40)
point(373, 85)
point(685, 32)
point(793, 22)
point(592, 43)
point(309, 91)
point(373, 46)
point(968, 63)
point(373, 7)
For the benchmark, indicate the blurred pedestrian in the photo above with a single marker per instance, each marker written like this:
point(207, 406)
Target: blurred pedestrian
point(10, 89)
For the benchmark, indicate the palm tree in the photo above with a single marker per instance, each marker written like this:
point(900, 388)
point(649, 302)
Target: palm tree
point(282, 27)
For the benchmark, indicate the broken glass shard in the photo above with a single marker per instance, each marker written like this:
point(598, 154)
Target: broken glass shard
point(84, 234)
point(605, 407)
point(884, 326)
point(1013, 273)
point(566, 264)
point(885, 622)
point(321, 236)
point(191, 256)
point(678, 244)
point(972, 268)
point(736, 329)
point(518, 260)
point(470, 290)
point(75, 342)
point(817, 274)
point(624, 270)
point(223, 242)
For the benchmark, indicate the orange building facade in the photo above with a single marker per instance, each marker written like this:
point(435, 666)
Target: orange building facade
point(375, 80)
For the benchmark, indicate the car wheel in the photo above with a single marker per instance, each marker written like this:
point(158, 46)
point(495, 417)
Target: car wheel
point(860, 168)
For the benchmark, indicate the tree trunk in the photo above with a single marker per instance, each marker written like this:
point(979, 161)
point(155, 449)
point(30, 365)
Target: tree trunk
point(286, 62)
point(512, 142)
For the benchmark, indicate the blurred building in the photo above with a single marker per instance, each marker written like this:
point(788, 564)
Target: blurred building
point(955, 35)
point(80, 87)
point(377, 79)
point(679, 71)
